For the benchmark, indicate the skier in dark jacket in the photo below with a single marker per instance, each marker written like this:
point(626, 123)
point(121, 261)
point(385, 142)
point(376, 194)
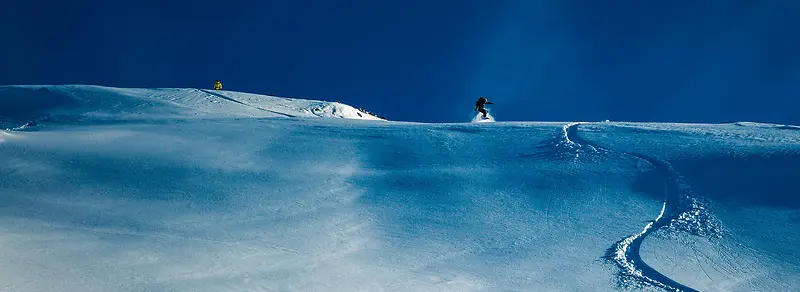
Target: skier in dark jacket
point(479, 106)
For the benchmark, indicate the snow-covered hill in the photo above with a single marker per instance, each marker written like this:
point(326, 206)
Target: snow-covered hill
point(190, 190)
point(69, 103)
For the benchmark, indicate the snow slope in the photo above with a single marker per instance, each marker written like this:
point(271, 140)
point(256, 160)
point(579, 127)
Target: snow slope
point(188, 190)
point(71, 103)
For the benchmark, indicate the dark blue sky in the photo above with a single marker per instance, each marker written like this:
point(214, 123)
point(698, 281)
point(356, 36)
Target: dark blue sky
point(428, 60)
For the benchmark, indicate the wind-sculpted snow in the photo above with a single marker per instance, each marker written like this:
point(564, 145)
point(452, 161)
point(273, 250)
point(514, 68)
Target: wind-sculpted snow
point(26, 106)
point(169, 191)
point(305, 205)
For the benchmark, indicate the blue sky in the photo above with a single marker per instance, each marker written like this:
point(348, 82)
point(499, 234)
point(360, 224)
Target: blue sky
point(689, 61)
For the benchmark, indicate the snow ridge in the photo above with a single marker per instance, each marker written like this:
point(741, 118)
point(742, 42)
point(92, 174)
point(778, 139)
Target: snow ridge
point(81, 103)
point(681, 211)
point(242, 103)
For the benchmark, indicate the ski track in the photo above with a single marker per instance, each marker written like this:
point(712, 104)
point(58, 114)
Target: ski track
point(626, 252)
point(244, 104)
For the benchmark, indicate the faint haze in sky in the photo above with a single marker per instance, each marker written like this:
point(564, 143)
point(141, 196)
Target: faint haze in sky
point(692, 61)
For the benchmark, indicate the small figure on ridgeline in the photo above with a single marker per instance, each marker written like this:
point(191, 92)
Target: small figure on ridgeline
point(479, 106)
point(218, 85)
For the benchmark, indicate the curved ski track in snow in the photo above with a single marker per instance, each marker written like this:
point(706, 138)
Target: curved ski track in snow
point(625, 253)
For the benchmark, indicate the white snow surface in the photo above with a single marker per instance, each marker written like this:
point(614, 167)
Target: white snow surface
point(79, 102)
point(479, 118)
point(107, 189)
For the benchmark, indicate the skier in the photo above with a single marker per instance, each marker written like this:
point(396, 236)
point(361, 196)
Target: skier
point(218, 85)
point(479, 106)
